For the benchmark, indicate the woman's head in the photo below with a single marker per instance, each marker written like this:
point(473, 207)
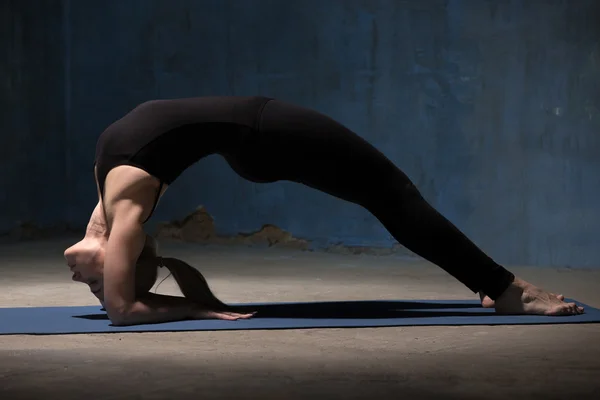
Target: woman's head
point(86, 261)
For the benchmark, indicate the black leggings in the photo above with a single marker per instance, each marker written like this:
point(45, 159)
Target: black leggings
point(301, 145)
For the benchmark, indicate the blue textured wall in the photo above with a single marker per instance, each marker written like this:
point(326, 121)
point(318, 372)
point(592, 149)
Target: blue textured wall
point(492, 107)
point(32, 117)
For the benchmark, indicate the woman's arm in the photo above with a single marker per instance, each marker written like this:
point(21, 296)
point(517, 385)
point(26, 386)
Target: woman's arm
point(124, 246)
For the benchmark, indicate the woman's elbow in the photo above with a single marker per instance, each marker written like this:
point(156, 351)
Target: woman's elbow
point(118, 316)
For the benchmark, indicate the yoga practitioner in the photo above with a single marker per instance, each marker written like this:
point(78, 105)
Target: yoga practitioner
point(264, 140)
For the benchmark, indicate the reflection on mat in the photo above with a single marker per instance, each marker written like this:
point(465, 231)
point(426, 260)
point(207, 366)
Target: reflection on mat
point(338, 314)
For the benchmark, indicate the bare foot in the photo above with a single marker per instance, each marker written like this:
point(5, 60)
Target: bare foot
point(487, 302)
point(523, 298)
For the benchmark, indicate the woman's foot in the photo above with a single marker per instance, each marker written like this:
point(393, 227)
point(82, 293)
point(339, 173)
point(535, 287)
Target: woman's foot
point(487, 302)
point(523, 298)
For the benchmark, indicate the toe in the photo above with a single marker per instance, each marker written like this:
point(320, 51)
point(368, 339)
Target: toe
point(573, 309)
point(563, 310)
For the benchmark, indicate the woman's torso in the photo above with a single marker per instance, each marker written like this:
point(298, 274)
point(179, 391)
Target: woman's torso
point(159, 139)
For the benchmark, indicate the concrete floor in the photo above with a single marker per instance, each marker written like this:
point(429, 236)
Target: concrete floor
point(523, 362)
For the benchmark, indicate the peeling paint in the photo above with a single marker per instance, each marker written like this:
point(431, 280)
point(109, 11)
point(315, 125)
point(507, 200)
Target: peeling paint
point(199, 227)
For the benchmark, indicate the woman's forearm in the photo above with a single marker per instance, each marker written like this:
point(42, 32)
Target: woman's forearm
point(157, 308)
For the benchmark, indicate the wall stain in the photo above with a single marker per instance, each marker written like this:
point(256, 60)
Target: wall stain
point(199, 227)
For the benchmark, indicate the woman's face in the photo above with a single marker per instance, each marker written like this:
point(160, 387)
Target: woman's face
point(85, 259)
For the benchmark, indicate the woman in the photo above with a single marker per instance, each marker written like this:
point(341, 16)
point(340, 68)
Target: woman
point(263, 140)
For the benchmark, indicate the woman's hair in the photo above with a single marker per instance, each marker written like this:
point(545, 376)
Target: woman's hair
point(190, 281)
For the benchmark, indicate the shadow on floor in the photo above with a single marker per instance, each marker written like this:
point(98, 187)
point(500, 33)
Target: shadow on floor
point(355, 310)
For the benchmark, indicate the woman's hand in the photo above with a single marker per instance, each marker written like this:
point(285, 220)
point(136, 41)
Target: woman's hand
point(226, 315)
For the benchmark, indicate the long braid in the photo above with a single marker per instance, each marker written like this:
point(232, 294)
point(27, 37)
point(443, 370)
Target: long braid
point(191, 282)
point(193, 285)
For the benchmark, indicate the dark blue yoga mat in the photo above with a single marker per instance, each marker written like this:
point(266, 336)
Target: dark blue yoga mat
point(340, 314)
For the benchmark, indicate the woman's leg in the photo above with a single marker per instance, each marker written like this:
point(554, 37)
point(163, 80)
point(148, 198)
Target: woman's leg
point(301, 145)
point(304, 146)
